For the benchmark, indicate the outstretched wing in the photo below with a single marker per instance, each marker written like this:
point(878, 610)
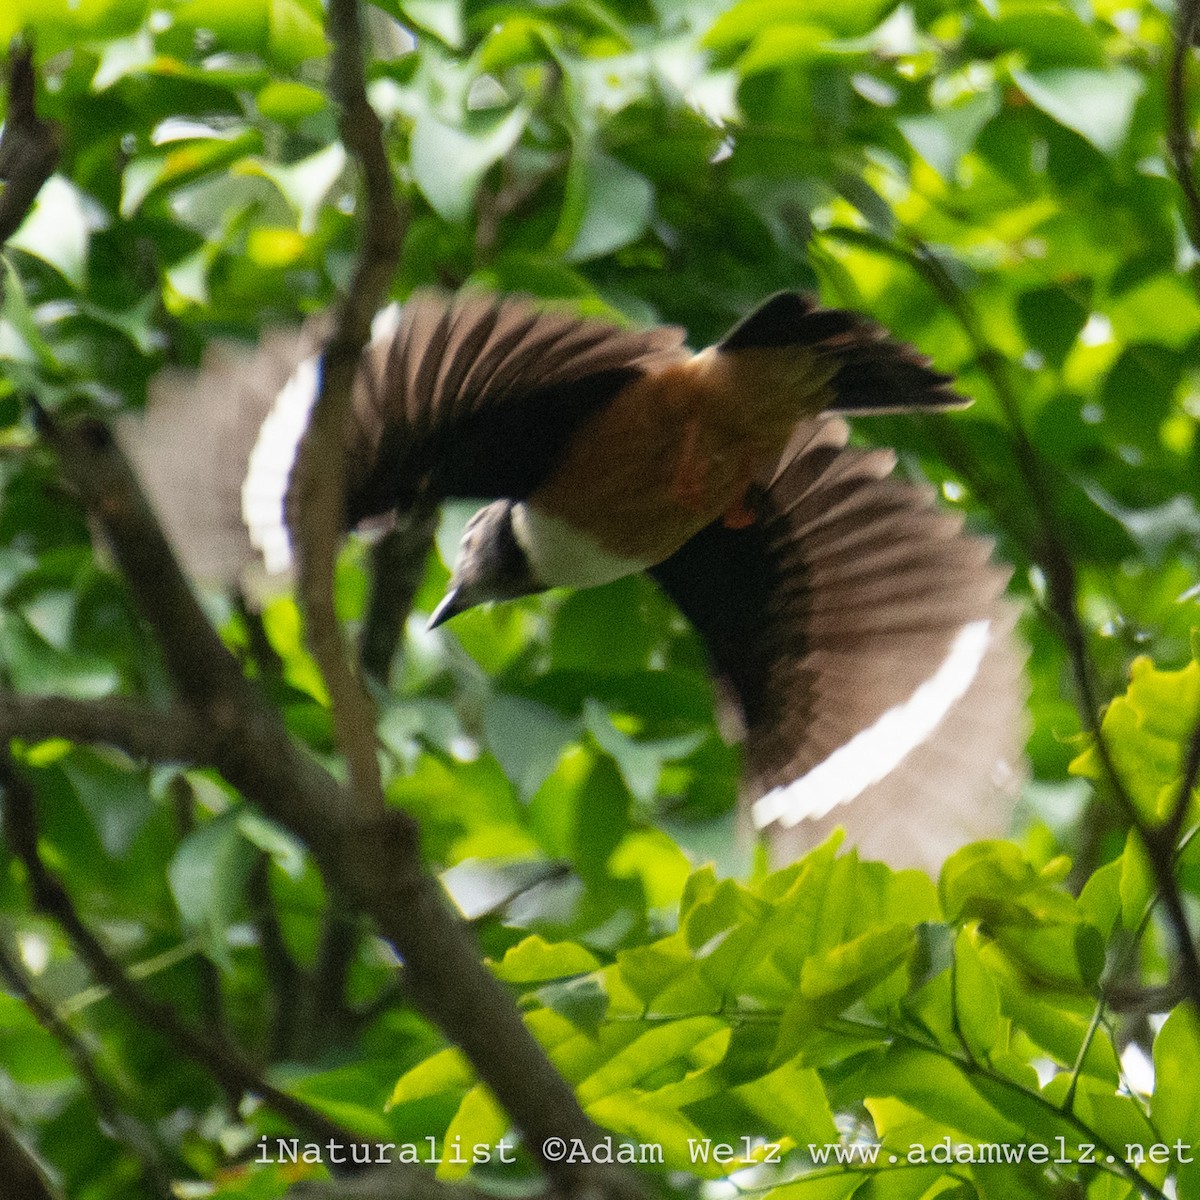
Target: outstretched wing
point(864, 641)
point(471, 395)
point(475, 396)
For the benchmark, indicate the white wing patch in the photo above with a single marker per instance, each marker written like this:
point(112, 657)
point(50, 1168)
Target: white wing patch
point(877, 750)
point(265, 487)
point(269, 468)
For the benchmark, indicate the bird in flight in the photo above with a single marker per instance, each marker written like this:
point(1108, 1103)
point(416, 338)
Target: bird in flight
point(858, 635)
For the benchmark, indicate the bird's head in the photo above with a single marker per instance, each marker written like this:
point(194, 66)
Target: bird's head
point(491, 565)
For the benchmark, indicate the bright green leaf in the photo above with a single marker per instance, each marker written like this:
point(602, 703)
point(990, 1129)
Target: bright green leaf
point(1098, 104)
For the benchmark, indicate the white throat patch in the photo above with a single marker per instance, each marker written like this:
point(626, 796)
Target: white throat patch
point(561, 556)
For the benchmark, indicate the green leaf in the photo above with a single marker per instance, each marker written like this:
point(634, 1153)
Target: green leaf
point(58, 227)
point(1137, 886)
point(114, 794)
point(527, 738)
point(648, 971)
point(1051, 319)
point(820, 1187)
point(796, 44)
point(640, 761)
point(1047, 34)
point(584, 1002)
point(349, 1096)
point(284, 848)
point(208, 875)
point(976, 1000)
point(593, 630)
point(449, 163)
point(608, 206)
point(657, 1047)
point(1175, 1105)
point(936, 1088)
point(289, 102)
point(1100, 902)
point(447, 1071)
point(304, 184)
point(1146, 730)
point(1097, 104)
point(58, 25)
point(295, 33)
point(36, 667)
point(944, 136)
point(792, 1100)
point(479, 1121)
point(1057, 1021)
point(441, 17)
point(830, 982)
point(1162, 310)
point(33, 1057)
point(656, 861)
point(534, 960)
point(748, 19)
point(184, 161)
point(286, 31)
point(856, 966)
point(649, 1126)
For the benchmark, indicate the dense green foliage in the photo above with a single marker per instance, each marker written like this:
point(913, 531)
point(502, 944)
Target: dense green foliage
point(991, 182)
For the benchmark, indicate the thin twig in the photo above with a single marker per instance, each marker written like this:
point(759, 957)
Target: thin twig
point(1173, 825)
point(1179, 134)
point(22, 1173)
point(212, 1000)
point(327, 1015)
point(284, 977)
point(132, 1133)
point(397, 566)
point(316, 499)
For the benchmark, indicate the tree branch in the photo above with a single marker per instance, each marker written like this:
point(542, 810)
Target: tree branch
point(224, 1062)
point(22, 1173)
point(397, 567)
point(29, 147)
point(150, 734)
point(284, 977)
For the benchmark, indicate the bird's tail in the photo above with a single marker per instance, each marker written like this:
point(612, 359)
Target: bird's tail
point(869, 372)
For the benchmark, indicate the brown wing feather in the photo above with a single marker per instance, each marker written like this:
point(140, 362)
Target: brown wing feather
point(852, 596)
point(474, 395)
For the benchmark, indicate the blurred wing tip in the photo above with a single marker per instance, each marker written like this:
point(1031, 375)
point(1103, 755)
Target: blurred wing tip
point(875, 752)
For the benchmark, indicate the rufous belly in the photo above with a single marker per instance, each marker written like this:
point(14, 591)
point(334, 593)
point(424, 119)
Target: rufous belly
point(675, 451)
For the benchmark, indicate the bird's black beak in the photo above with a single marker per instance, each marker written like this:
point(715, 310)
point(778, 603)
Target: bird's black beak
point(453, 602)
